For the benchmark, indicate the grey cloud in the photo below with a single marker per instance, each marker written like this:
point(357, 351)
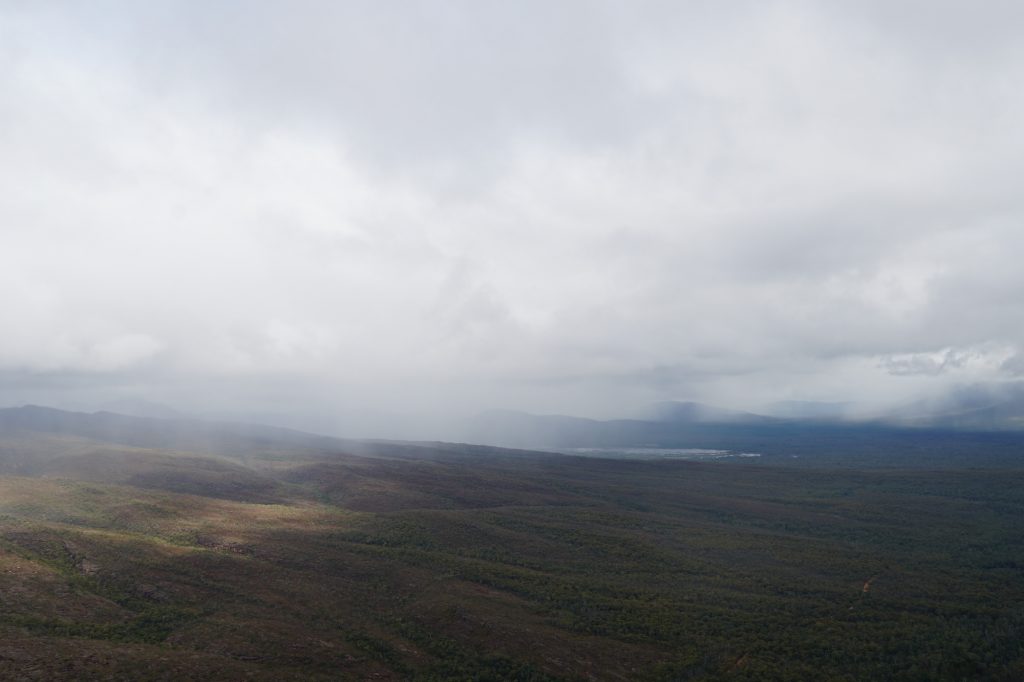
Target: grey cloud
point(574, 206)
point(929, 364)
point(1013, 365)
point(404, 84)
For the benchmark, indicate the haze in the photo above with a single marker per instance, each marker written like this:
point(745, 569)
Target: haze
point(443, 207)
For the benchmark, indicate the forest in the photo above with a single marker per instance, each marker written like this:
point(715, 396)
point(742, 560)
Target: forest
point(278, 556)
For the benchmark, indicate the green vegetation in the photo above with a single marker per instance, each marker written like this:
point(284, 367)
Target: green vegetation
point(505, 567)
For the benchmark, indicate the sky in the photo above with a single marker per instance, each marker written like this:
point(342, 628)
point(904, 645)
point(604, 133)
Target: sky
point(574, 207)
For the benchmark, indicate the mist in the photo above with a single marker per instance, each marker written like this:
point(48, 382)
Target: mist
point(325, 214)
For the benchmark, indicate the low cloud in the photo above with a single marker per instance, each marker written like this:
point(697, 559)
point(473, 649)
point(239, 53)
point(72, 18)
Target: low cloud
point(930, 364)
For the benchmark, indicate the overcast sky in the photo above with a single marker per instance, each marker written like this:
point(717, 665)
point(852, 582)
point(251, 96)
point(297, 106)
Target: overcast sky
point(558, 206)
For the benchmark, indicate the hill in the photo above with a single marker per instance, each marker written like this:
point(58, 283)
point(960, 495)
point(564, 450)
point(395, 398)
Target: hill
point(316, 558)
point(687, 412)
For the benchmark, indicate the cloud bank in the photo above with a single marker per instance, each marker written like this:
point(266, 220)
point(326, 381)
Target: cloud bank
point(574, 206)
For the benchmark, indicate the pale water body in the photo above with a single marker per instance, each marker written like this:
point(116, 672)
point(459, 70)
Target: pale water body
point(655, 453)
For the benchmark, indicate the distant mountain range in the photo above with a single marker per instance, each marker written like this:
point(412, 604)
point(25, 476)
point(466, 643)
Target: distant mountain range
point(241, 441)
point(691, 412)
point(975, 415)
point(134, 407)
point(980, 409)
point(805, 409)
